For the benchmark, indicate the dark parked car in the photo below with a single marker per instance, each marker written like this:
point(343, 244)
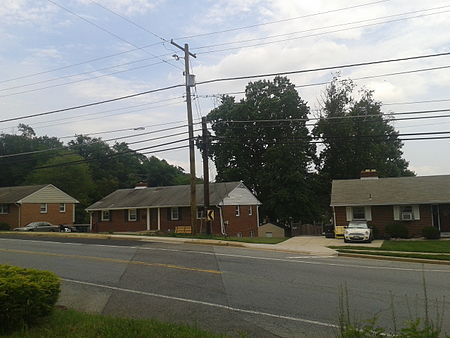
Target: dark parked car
point(39, 226)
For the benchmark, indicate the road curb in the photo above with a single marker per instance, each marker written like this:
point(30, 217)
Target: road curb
point(177, 240)
point(395, 259)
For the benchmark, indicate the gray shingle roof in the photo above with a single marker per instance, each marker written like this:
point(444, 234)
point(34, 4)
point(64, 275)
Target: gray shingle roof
point(171, 196)
point(391, 191)
point(15, 194)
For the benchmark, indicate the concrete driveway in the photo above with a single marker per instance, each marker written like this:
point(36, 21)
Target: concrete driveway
point(319, 244)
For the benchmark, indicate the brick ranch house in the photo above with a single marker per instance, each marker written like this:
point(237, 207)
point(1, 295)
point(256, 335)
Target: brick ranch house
point(21, 205)
point(416, 202)
point(164, 208)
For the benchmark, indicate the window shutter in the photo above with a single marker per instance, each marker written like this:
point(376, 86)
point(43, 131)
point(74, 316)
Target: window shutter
point(179, 213)
point(110, 215)
point(169, 214)
point(349, 212)
point(125, 214)
point(416, 212)
point(396, 212)
point(137, 215)
point(368, 213)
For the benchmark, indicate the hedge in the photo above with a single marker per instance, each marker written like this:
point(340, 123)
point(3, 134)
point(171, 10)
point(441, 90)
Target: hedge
point(26, 295)
point(5, 226)
point(397, 230)
point(431, 233)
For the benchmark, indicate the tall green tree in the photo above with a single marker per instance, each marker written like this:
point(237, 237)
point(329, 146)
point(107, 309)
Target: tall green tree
point(14, 170)
point(357, 135)
point(271, 158)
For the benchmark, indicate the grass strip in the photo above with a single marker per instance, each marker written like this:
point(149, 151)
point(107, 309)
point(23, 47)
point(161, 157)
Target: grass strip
point(70, 323)
point(396, 254)
point(433, 246)
point(260, 240)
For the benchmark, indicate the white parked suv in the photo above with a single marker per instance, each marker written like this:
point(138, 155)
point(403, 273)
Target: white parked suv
point(358, 231)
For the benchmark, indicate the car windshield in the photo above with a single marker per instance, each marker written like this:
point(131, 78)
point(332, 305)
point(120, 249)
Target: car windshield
point(357, 226)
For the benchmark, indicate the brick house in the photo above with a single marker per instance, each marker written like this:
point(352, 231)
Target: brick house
point(163, 209)
point(21, 205)
point(416, 202)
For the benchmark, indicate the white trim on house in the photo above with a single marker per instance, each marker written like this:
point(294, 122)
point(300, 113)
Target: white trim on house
point(148, 219)
point(48, 194)
point(240, 195)
point(159, 219)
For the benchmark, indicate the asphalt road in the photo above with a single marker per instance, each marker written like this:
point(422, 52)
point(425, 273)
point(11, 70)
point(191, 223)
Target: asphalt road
point(229, 290)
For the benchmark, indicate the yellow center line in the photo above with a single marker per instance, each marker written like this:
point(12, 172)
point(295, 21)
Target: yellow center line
point(112, 260)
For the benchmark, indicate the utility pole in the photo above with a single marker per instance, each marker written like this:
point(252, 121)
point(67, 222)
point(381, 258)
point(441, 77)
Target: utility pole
point(205, 140)
point(190, 82)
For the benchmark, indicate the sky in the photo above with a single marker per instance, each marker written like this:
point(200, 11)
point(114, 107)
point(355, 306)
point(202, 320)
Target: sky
point(61, 53)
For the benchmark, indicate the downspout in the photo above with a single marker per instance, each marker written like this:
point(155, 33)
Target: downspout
point(334, 217)
point(222, 226)
point(90, 221)
point(19, 207)
point(257, 216)
point(159, 219)
point(148, 219)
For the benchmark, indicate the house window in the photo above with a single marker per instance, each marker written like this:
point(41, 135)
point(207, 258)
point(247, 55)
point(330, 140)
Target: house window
point(269, 234)
point(239, 234)
point(43, 208)
point(174, 214)
point(62, 207)
point(359, 213)
point(237, 211)
point(406, 213)
point(4, 209)
point(250, 210)
point(105, 215)
point(200, 214)
point(132, 215)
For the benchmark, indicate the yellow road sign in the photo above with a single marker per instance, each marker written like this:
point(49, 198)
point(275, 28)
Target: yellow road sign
point(210, 215)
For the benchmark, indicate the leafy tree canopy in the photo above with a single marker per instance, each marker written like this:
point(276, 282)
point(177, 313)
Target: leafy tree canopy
point(271, 158)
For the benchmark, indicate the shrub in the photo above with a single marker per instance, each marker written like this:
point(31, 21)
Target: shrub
point(25, 295)
point(397, 230)
point(431, 233)
point(4, 226)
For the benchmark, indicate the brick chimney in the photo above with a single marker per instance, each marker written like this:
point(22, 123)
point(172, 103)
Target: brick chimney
point(141, 185)
point(369, 174)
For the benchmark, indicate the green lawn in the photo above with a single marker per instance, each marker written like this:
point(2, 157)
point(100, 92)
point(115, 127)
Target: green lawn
point(397, 254)
point(73, 324)
point(433, 246)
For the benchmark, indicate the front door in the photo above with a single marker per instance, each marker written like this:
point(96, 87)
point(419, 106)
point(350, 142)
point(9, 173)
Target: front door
point(444, 217)
point(153, 219)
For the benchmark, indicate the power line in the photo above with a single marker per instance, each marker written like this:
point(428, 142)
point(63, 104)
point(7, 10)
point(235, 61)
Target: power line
point(106, 31)
point(93, 103)
point(316, 34)
point(79, 74)
point(302, 71)
point(353, 79)
point(331, 26)
point(113, 155)
point(84, 62)
point(109, 115)
point(279, 21)
point(130, 21)
point(81, 80)
point(109, 111)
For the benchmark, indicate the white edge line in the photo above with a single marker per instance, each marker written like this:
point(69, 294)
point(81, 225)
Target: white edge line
point(193, 301)
point(244, 256)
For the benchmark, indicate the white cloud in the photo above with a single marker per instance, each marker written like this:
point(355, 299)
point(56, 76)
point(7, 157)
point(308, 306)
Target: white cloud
point(127, 7)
